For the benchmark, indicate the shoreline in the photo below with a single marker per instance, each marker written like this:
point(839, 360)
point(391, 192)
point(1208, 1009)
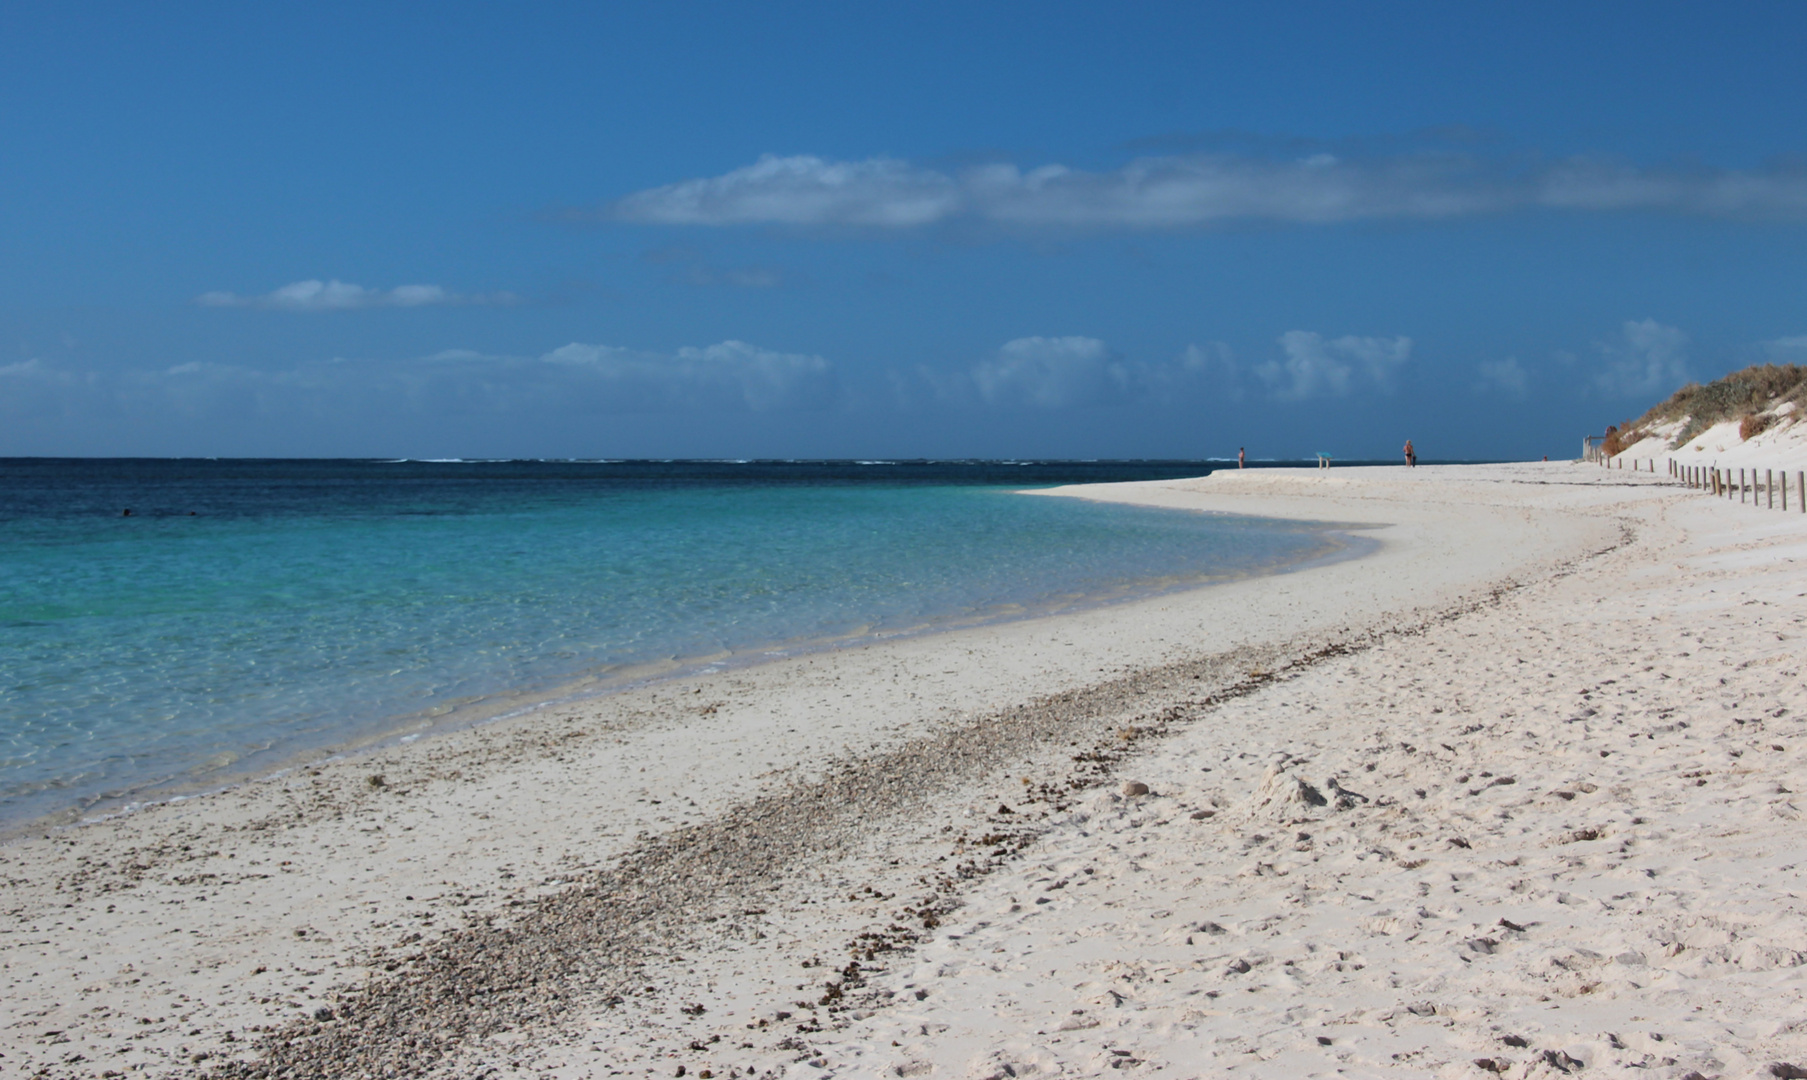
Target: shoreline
point(520, 828)
point(450, 717)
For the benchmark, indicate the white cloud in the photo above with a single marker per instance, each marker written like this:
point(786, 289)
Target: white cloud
point(1315, 367)
point(733, 374)
point(1652, 359)
point(335, 295)
point(1070, 372)
point(1787, 349)
point(1596, 185)
point(1506, 376)
point(1051, 373)
point(580, 379)
point(800, 191)
point(1157, 193)
point(1192, 190)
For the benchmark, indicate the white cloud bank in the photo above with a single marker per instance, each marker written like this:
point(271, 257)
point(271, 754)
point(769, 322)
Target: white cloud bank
point(732, 374)
point(1052, 373)
point(575, 379)
point(802, 191)
point(1072, 372)
point(1075, 372)
point(335, 295)
point(1185, 191)
point(1316, 367)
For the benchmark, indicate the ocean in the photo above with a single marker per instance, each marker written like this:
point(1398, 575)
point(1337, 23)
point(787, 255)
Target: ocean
point(247, 614)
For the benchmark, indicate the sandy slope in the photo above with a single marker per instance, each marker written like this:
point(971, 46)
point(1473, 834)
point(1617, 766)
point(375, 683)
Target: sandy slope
point(917, 852)
point(1782, 447)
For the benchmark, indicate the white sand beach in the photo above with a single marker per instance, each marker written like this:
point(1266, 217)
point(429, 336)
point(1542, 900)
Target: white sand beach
point(1512, 794)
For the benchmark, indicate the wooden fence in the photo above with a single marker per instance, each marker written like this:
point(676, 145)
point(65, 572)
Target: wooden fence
point(1768, 488)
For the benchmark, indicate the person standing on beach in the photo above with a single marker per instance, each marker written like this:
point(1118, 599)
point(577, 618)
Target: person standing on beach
point(1411, 455)
point(1242, 456)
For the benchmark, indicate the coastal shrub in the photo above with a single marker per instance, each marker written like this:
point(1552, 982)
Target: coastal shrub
point(1622, 437)
point(1754, 389)
point(1752, 425)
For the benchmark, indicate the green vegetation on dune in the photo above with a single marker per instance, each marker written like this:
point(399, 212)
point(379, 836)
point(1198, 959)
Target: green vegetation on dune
point(1746, 394)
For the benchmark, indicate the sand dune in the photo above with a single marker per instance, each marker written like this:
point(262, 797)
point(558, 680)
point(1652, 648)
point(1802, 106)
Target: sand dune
point(1782, 446)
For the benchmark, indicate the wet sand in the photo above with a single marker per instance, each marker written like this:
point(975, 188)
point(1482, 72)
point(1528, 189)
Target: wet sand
point(921, 852)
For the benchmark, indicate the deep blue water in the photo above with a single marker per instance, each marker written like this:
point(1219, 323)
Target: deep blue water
point(249, 611)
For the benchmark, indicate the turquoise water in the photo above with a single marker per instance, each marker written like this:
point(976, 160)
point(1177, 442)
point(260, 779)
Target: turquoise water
point(299, 610)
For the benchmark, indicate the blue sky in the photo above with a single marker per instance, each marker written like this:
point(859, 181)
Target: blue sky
point(910, 230)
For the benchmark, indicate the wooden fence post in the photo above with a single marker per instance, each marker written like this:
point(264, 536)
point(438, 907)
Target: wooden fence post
point(1769, 488)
